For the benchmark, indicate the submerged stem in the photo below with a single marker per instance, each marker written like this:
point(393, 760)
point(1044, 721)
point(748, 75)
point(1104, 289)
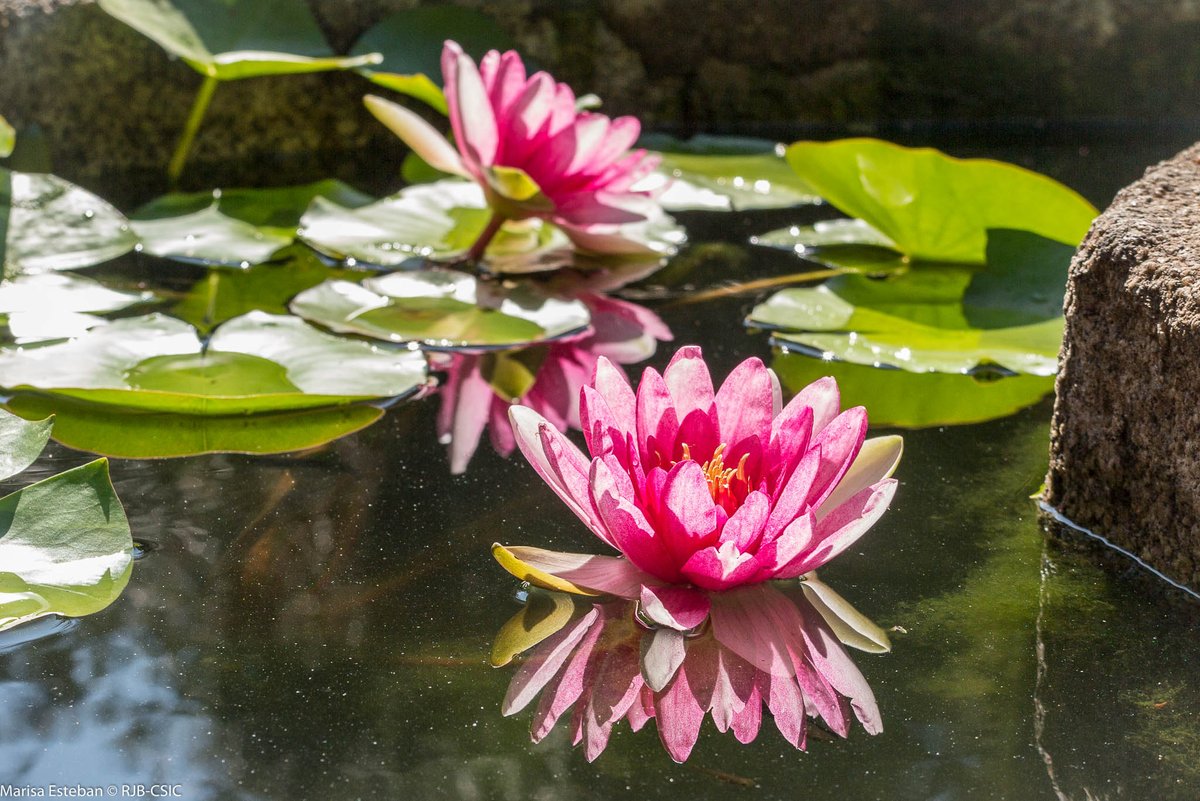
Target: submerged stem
point(195, 117)
point(477, 249)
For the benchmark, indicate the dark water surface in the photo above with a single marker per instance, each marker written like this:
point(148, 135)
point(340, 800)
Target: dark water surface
point(318, 626)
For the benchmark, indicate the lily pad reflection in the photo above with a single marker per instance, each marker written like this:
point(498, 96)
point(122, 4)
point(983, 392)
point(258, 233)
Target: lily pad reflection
point(442, 309)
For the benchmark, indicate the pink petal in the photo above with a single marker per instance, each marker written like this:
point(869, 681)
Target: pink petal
point(791, 432)
point(620, 136)
point(468, 402)
point(613, 575)
point(688, 380)
point(618, 323)
point(630, 531)
point(526, 118)
point(544, 663)
point(641, 711)
point(663, 651)
point(680, 608)
point(471, 114)
point(700, 432)
point(745, 724)
point(499, 429)
point(877, 459)
point(721, 568)
point(744, 529)
point(839, 442)
point(507, 80)
point(748, 622)
point(603, 240)
point(679, 716)
point(786, 703)
point(828, 657)
point(559, 463)
point(685, 514)
point(567, 687)
point(793, 497)
point(792, 541)
point(657, 422)
point(744, 404)
point(823, 397)
point(841, 528)
point(613, 385)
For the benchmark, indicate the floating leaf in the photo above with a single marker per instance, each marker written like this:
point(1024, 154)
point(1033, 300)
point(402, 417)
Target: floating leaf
point(8, 138)
point(848, 245)
point(232, 39)
point(411, 44)
point(224, 294)
point(52, 293)
point(443, 310)
point(21, 442)
point(232, 227)
point(55, 225)
point(439, 220)
point(909, 400)
point(255, 363)
point(543, 614)
point(132, 434)
point(934, 207)
point(32, 327)
point(944, 318)
point(65, 547)
point(732, 181)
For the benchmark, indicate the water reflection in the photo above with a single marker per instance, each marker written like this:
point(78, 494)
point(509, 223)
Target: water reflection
point(608, 662)
point(479, 387)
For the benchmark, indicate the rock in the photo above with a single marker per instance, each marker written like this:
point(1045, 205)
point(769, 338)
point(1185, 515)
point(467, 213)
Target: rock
point(1125, 439)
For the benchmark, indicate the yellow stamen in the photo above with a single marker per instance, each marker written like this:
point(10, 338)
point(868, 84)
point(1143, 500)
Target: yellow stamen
point(718, 476)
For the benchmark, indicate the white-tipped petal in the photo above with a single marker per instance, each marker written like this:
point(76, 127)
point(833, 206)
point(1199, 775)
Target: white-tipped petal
point(425, 140)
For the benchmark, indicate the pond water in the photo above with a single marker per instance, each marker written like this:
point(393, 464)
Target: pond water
point(318, 626)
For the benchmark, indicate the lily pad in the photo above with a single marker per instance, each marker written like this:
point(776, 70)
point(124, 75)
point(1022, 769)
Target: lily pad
point(50, 293)
point(65, 547)
point(443, 310)
point(941, 318)
point(21, 442)
point(908, 400)
point(224, 294)
point(232, 227)
point(411, 44)
point(732, 182)
point(54, 225)
point(254, 363)
point(133, 434)
point(438, 220)
point(933, 207)
point(232, 39)
point(847, 245)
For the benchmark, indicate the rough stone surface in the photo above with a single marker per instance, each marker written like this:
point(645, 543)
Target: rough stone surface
point(1125, 440)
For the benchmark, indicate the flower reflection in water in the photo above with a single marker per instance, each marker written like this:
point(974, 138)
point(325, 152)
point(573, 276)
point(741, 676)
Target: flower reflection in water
point(480, 387)
point(610, 663)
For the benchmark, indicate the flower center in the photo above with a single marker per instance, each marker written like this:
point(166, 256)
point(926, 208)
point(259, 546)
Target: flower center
point(719, 477)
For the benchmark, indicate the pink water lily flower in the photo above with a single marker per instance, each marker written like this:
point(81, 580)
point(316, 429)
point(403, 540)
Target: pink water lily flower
point(703, 492)
point(621, 331)
point(535, 155)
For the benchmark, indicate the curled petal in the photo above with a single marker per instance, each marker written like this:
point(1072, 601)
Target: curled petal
point(578, 573)
point(663, 651)
point(471, 113)
point(876, 460)
point(425, 140)
point(841, 528)
point(851, 626)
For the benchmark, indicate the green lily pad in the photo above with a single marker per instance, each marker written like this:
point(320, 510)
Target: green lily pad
point(50, 293)
point(737, 182)
point(54, 225)
point(941, 318)
point(21, 442)
point(65, 547)
point(443, 310)
point(438, 220)
point(232, 227)
point(232, 39)
point(411, 44)
point(934, 207)
point(254, 363)
point(908, 400)
point(25, 328)
point(133, 434)
point(224, 294)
